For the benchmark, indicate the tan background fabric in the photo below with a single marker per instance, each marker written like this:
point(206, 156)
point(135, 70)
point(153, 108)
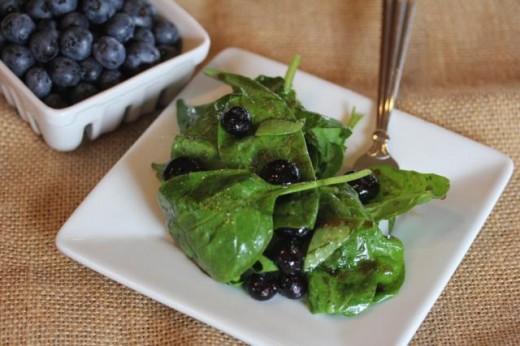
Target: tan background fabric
point(462, 72)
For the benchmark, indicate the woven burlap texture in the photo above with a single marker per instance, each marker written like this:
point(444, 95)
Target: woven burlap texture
point(462, 73)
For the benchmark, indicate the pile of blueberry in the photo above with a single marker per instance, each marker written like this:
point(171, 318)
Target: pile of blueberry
point(68, 50)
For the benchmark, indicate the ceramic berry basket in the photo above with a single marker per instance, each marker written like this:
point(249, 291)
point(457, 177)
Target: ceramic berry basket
point(64, 129)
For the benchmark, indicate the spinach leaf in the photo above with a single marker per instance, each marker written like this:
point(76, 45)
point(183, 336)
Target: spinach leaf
point(275, 98)
point(159, 169)
point(223, 219)
point(366, 269)
point(328, 143)
point(354, 118)
point(254, 152)
point(350, 263)
point(283, 86)
point(326, 138)
point(188, 115)
point(199, 131)
point(298, 210)
point(261, 102)
point(277, 127)
point(402, 190)
point(340, 214)
point(264, 265)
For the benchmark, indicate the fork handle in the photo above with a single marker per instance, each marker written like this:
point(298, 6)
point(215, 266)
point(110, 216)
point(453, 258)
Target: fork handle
point(397, 18)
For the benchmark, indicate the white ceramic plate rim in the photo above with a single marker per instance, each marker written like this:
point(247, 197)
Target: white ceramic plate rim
point(119, 230)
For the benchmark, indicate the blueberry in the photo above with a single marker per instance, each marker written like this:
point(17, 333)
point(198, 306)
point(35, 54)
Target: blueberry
point(76, 43)
point(74, 19)
point(237, 121)
point(54, 100)
point(17, 27)
point(90, 70)
point(121, 27)
point(10, 6)
point(182, 165)
point(65, 72)
point(109, 52)
point(141, 54)
point(297, 237)
point(98, 11)
point(3, 41)
point(142, 12)
point(289, 259)
point(37, 79)
point(39, 9)
point(18, 58)
point(293, 232)
point(367, 187)
point(109, 78)
point(118, 4)
point(280, 172)
point(261, 286)
point(82, 91)
point(168, 52)
point(61, 7)
point(44, 45)
point(166, 33)
point(293, 286)
point(144, 35)
point(47, 25)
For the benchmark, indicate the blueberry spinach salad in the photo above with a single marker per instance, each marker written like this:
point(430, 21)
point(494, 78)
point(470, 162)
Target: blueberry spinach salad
point(253, 196)
point(68, 50)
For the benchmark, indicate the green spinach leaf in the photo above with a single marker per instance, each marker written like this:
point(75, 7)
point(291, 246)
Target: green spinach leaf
point(298, 210)
point(402, 190)
point(350, 263)
point(340, 213)
point(278, 127)
point(223, 219)
point(199, 131)
point(261, 102)
point(254, 152)
point(366, 269)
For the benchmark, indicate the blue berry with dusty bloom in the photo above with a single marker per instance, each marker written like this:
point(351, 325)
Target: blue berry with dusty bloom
point(142, 12)
point(140, 54)
point(44, 45)
point(109, 78)
point(38, 81)
point(17, 27)
point(76, 43)
point(166, 33)
point(61, 7)
point(90, 70)
point(65, 72)
point(109, 52)
point(74, 19)
point(121, 27)
point(18, 58)
point(98, 11)
point(39, 9)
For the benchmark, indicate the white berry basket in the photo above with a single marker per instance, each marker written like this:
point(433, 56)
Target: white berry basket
point(64, 129)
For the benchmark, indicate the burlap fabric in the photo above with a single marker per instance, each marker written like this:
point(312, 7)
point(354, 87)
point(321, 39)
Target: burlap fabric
point(462, 72)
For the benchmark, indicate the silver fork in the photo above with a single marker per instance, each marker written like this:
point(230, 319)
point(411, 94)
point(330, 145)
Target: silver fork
point(397, 18)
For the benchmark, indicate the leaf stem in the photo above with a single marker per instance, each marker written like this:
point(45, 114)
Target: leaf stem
point(308, 185)
point(291, 71)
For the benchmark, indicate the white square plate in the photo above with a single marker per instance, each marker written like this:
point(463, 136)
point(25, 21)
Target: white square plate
point(119, 229)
